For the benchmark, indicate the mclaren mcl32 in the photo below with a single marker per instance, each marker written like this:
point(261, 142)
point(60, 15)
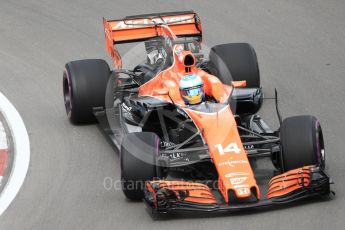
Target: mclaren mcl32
point(178, 156)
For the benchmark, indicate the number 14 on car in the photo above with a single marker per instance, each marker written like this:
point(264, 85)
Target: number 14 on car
point(232, 147)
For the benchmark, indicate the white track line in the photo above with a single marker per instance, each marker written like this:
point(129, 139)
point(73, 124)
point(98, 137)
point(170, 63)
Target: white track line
point(21, 153)
point(3, 138)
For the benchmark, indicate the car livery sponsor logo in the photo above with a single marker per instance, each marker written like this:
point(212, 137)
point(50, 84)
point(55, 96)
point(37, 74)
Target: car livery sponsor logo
point(177, 156)
point(243, 191)
point(232, 163)
point(168, 42)
point(241, 186)
point(248, 147)
point(238, 180)
point(179, 49)
point(173, 156)
point(165, 144)
point(127, 24)
point(235, 174)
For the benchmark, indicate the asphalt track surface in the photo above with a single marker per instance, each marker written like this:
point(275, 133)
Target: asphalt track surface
point(301, 51)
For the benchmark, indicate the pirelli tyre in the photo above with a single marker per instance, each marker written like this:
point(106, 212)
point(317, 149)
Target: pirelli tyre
point(84, 87)
point(302, 143)
point(235, 62)
point(138, 162)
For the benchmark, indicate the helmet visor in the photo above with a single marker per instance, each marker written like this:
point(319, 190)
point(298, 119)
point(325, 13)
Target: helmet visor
point(194, 91)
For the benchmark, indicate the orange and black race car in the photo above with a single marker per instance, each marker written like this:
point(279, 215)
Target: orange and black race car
point(186, 125)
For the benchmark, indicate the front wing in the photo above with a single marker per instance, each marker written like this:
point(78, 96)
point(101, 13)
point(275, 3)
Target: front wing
point(174, 196)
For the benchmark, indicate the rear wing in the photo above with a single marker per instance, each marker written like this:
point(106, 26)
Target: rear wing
point(143, 27)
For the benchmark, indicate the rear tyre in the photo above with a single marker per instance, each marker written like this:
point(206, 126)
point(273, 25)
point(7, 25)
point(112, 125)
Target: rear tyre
point(84, 87)
point(301, 143)
point(138, 162)
point(235, 62)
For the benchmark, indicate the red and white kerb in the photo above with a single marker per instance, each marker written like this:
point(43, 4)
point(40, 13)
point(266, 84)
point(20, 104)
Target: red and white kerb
point(3, 151)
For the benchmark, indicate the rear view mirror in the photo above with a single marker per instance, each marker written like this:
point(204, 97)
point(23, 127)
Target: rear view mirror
point(239, 84)
point(163, 91)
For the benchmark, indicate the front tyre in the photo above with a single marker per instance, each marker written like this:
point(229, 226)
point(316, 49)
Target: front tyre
point(302, 143)
point(138, 162)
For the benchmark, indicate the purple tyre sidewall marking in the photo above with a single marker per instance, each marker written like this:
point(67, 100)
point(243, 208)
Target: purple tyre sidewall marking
point(319, 139)
point(69, 113)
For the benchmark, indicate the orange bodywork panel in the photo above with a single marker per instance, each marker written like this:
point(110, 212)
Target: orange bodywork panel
point(165, 85)
point(288, 182)
point(185, 191)
point(227, 152)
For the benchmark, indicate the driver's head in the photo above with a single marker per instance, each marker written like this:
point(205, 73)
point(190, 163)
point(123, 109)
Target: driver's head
point(192, 89)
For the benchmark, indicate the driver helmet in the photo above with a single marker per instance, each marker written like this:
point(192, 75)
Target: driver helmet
point(192, 89)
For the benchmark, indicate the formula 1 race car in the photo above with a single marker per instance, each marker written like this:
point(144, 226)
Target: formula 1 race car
point(194, 147)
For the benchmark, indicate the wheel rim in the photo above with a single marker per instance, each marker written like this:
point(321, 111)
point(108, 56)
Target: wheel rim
point(67, 94)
